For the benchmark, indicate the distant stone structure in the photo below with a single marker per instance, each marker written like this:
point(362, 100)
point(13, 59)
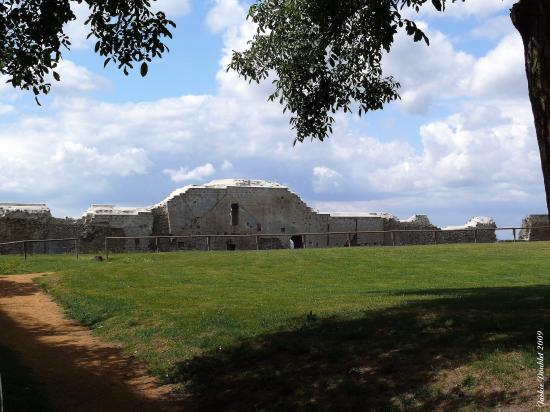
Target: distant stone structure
point(270, 213)
point(535, 227)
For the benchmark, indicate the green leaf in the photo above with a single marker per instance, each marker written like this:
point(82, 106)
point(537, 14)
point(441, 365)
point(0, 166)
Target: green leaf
point(144, 69)
point(437, 4)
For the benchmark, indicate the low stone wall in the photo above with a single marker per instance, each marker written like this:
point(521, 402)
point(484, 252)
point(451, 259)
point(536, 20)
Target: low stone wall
point(478, 229)
point(535, 228)
point(417, 222)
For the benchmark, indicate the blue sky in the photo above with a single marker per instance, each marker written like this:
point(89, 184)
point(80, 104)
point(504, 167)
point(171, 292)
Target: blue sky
point(460, 143)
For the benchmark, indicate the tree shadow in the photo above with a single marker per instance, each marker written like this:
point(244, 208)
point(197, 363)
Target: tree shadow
point(11, 289)
point(65, 371)
point(385, 360)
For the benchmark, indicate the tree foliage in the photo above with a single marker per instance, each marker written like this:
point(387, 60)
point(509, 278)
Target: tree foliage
point(325, 55)
point(32, 37)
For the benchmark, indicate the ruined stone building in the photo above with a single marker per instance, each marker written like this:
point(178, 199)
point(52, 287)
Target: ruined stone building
point(269, 214)
point(535, 228)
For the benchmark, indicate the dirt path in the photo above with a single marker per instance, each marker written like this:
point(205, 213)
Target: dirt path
point(80, 373)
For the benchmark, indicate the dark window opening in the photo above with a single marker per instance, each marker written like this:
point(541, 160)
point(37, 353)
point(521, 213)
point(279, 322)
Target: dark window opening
point(136, 242)
point(298, 241)
point(231, 246)
point(283, 230)
point(234, 214)
point(259, 226)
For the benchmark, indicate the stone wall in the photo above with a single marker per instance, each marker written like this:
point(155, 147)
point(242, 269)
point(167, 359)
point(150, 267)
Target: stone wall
point(102, 221)
point(255, 208)
point(419, 223)
point(237, 214)
point(478, 229)
point(535, 228)
point(23, 222)
point(340, 222)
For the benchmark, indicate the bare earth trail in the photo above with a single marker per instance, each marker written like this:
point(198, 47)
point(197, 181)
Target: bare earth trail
point(78, 371)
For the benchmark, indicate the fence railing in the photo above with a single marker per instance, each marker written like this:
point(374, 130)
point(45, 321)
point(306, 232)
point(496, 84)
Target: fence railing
point(25, 244)
point(350, 235)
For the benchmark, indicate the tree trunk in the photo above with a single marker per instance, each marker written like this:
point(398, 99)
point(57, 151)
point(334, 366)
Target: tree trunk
point(532, 19)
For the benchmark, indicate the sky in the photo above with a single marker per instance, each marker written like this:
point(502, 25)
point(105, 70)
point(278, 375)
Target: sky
point(460, 143)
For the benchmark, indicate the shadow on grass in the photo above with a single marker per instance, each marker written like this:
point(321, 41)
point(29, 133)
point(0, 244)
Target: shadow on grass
point(386, 360)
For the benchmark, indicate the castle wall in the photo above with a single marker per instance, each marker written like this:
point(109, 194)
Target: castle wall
point(255, 211)
point(62, 229)
point(351, 225)
point(23, 222)
point(535, 228)
point(417, 222)
point(477, 229)
point(108, 221)
point(247, 214)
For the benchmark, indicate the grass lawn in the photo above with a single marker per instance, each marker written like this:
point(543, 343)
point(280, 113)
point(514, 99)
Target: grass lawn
point(409, 328)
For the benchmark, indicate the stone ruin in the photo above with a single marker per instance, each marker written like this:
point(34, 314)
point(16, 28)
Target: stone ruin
point(535, 228)
point(268, 211)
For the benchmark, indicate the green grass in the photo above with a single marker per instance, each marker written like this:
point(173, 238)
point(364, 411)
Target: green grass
point(449, 326)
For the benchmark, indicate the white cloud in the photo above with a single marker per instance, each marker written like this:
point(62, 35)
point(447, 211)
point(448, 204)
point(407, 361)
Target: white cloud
point(91, 161)
point(227, 165)
point(494, 28)
point(37, 159)
point(441, 72)
point(325, 179)
point(458, 153)
point(185, 175)
point(501, 73)
point(478, 9)
point(427, 73)
point(76, 79)
point(76, 29)
point(226, 14)
point(172, 8)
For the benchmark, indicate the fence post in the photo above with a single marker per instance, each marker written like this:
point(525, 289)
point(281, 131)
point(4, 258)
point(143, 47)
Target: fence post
point(392, 233)
point(106, 250)
point(435, 237)
point(304, 241)
point(25, 249)
point(475, 235)
point(157, 245)
point(257, 242)
point(208, 243)
point(514, 230)
point(76, 248)
point(349, 239)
